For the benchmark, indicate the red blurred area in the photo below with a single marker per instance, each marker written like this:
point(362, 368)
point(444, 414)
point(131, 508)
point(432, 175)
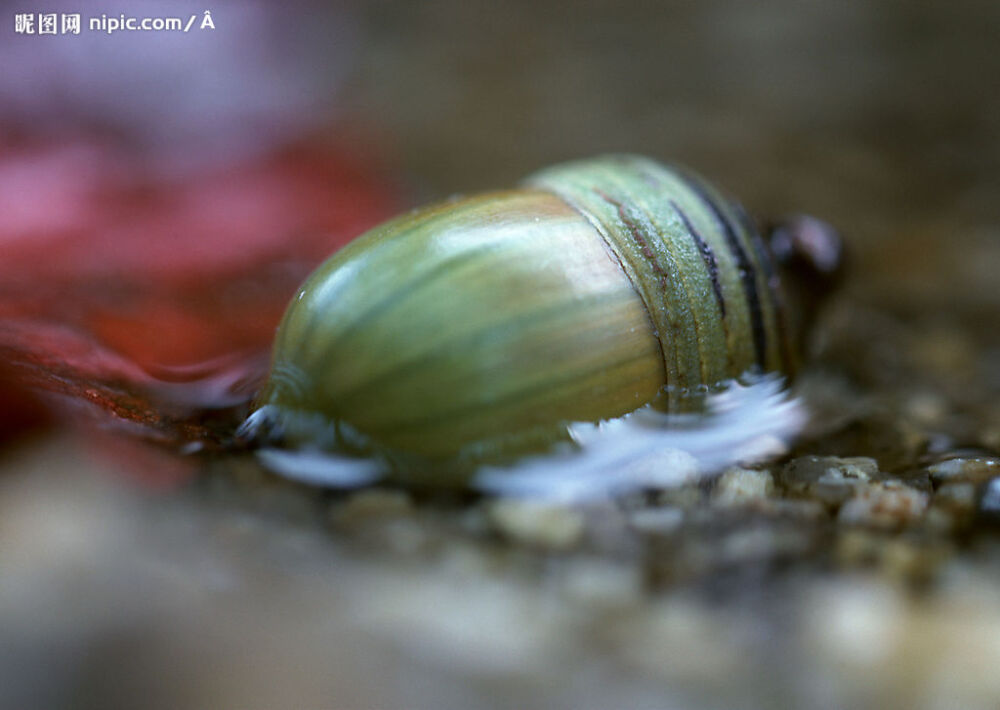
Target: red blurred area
point(22, 412)
point(152, 300)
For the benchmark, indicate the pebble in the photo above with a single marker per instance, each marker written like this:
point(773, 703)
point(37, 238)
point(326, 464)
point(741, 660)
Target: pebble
point(536, 523)
point(371, 504)
point(888, 504)
point(830, 479)
point(740, 486)
point(810, 469)
point(952, 507)
point(964, 469)
point(957, 497)
point(989, 504)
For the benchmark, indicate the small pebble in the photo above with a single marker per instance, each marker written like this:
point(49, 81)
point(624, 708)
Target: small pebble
point(810, 469)
point(536, 523)
point(957, 497)
point(371, 504)
point(830, 479)
point(888, 504)
point(952, 508)
point(740, 486)
point(989, 504)
point(964, 469)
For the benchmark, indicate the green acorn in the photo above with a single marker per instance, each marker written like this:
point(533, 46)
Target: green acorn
point(474, 330)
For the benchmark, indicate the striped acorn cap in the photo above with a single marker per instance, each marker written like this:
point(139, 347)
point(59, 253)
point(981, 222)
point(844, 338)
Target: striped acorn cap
point(702, 270)
point(479, 327)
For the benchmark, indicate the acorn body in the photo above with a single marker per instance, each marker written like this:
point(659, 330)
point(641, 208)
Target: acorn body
point(476, 329)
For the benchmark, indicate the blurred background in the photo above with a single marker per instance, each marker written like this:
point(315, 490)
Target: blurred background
point(163, 193)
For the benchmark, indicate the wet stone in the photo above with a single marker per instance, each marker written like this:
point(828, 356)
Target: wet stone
point(958, 497)
point(888, 504)
point(952, 508)
point(827, 469)
point(989, 503)
point(740, 486)
point(973, 469)
point(829, 479)
point(537, 523)
point(893, 440)
point(914, 478)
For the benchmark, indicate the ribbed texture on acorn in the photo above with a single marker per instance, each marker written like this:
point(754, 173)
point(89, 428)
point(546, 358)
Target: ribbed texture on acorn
point(481, 326)
point(702, 270)
point(469, 323)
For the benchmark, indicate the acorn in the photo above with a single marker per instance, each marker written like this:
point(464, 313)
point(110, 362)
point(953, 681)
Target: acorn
point(475, 330)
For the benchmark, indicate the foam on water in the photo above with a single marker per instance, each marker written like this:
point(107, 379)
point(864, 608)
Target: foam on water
point(746, 422)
